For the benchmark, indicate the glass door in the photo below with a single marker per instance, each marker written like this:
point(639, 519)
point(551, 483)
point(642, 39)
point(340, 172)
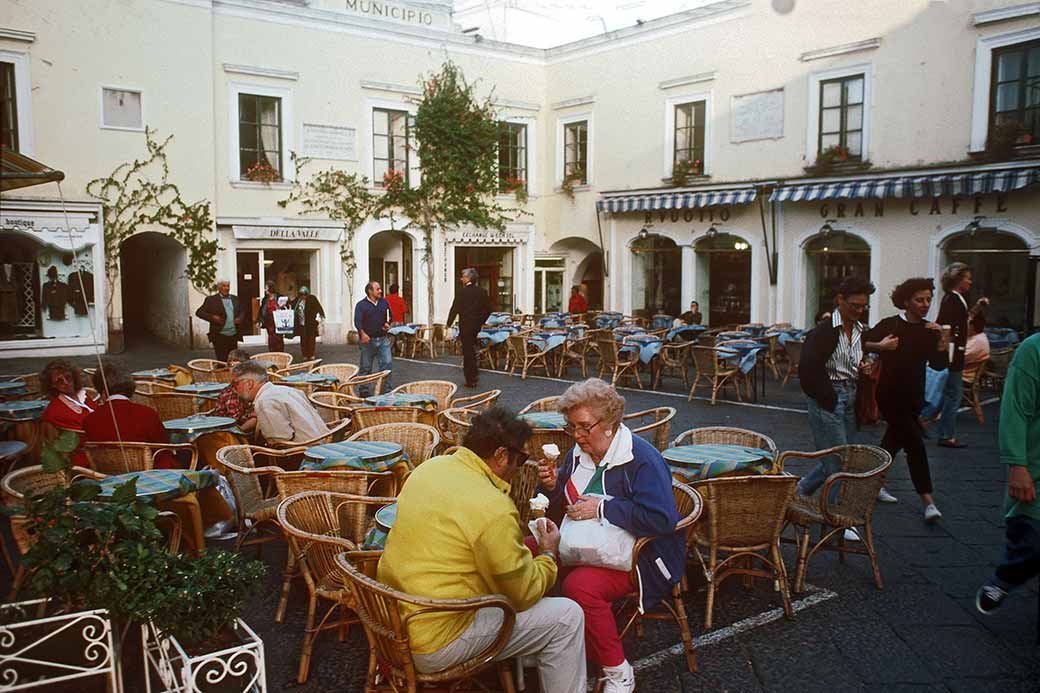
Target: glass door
point(247, 267)
point(548, 285)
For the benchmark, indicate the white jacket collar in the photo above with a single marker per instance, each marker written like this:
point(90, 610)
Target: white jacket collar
point(619, 452)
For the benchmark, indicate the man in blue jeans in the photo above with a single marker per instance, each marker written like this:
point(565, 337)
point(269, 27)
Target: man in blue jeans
point(828, 370)
point(372, 319)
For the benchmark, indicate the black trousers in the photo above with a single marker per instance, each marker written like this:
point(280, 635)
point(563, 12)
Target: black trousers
point(904, 433)
point(307, 341)
point(223, 344)
point(469, 355)
point(1022, 553)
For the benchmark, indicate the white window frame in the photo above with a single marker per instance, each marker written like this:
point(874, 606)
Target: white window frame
point(670, 105)
point(532, 144)
point(812, 130)
point(288, 131)
point(369, 165)
point(561, 124)
point(23, 95)
point(101, 107)
point(540, 277)
point(984, 48)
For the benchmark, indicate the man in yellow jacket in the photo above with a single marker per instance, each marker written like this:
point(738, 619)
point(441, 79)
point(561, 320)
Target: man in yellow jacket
point(457, 536)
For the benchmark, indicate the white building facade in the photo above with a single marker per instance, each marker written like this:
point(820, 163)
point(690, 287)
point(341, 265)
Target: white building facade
point(730, 155)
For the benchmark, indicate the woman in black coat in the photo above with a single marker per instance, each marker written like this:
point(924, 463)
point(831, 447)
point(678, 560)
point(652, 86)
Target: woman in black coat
point(307, 309)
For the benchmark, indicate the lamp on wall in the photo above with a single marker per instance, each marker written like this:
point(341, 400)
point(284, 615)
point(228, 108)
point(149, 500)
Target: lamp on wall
point(973, 226)
point(643, 233)
point(712, 232)
point(827, 229)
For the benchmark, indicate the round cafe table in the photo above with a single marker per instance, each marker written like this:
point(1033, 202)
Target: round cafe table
point(155, 374)
point(403, 399)
point(364, 455)
point(316, 379)
point(13, 388)
point(203, 389)
point(690, 463)
point(191, 427)
point(375, 539)
point(544, 419)
point(23, 409)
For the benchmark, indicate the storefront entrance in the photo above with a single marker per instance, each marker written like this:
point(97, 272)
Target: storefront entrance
point(288, 269)
point(726, 261)
point(495, 267)
point(390, 262)
point(1002, 271)
point(829, 259)
point(155, 292)
point(548, 284)
point(656, 277)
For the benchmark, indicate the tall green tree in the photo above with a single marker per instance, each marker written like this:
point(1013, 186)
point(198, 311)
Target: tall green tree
point(456, 135)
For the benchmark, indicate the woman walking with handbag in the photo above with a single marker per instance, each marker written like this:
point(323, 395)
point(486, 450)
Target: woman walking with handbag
point(268, 305)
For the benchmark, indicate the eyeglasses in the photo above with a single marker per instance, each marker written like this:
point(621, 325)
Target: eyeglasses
point(858, 307)
point(570, 428)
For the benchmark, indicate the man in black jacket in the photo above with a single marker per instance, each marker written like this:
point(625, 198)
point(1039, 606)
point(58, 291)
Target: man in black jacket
point(225, 315)
point(472, 306)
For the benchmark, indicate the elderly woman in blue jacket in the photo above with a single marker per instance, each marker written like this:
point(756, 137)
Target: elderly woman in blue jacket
point(611, 473)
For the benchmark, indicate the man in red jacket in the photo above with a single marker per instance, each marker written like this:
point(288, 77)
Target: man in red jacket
point(577, 302)
point(398, 307)
point(137, 423)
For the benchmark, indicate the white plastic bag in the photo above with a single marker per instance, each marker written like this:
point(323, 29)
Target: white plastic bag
point(595, 542)
point(283, 321)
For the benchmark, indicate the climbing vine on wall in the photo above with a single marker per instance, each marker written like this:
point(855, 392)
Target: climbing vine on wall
point(139, 196)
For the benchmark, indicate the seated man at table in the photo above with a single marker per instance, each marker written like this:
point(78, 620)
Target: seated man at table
point(120, 419)
point(282, 413)
point(457, 536)
point(230, 404)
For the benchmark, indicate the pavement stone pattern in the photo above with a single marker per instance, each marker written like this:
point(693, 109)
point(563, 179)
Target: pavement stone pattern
point(921, 633)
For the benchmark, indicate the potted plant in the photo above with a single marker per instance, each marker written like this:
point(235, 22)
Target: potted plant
point(685, 169)
point(517, 186)
point(572, 180)
point(262, 172)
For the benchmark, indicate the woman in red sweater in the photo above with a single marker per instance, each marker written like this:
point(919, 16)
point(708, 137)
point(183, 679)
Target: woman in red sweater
point(69, 404)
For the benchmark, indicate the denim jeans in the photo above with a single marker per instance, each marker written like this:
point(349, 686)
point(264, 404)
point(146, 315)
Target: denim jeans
point(951, 402)
point(378, 348)
point(830, 429)
point(1021, 555)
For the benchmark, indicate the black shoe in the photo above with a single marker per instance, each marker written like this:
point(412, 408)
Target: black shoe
point(989, 598)
point(951, 443)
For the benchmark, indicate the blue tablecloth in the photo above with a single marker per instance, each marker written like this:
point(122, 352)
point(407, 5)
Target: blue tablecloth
point(13, 388)
point(1001, 337)
point(661, 322)
point(24, 409)
point(161, 484)
point(608, 320)
point(313, 378)
point(791, 336)
point(755, 330)
point(737, 334)
point(365, 455)
point(156, 374)
point(546, 340)
point(191, 427)
point(628, 330)
point(686, 329)
point(204, 389)
point(552, 322)
point(499, 319)
point(745, 352)
point(410, 328)
point(544, 419)
point(496, 336)
point(649, 346)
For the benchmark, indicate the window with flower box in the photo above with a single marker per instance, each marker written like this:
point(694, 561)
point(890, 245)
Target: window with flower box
point(512, 157)
point(8, 108)
point(1015, 93)
point(393, 144)
point(260, 137)
point(576, 152)
point(688, 148)
point(841, 118)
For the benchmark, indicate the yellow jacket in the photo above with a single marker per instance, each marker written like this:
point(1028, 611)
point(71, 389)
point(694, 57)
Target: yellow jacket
point(457, 536)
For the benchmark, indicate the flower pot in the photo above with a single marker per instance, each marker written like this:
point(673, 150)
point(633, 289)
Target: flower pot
point(41, 649)
point(235, 665)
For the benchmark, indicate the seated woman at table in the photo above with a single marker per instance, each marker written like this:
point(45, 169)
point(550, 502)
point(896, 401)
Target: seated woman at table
point(69, 405)
point(618, 476)
point(230, 404)
point(120, 419)
point(976, 350)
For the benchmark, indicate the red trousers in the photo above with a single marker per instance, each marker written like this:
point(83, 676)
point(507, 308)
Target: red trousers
point(594, 589)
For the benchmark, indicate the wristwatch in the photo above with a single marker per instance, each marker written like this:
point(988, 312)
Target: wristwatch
point(550, 553)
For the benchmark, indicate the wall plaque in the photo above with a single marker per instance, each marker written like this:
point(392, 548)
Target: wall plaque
point(758, 116)
point(329, 142)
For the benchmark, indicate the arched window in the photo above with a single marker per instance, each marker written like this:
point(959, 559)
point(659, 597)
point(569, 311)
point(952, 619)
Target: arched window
point(726, 261)
point(1001, 271)
point(829, 259)
point(656, 276)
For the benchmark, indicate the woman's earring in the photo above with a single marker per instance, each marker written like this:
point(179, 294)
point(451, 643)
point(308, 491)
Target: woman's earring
point(610, 433)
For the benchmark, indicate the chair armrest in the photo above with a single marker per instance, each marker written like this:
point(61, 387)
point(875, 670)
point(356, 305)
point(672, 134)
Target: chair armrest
point(495, 601)
point(778, 466)
point(838, 477)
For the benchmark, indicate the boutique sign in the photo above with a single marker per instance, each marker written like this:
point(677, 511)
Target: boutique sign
point(387, 10)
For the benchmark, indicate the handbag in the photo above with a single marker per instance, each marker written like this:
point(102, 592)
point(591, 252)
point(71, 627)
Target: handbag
point(283, 321)
point(596, 542)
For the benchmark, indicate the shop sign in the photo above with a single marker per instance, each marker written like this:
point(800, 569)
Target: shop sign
point(374, 8)
point(287, 233)
point(48, 231)
point(329, 142)
point(484, 237)
point(936, 206)
point(688, 215)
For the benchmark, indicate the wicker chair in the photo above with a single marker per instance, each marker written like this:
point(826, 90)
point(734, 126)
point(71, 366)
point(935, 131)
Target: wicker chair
point(390, 664)
point(280, 359)
point(997, 367)
point(365, 417)
point(773, 355)
point(423, 340)
point(153, 387)
point(673, 357)
point(302, 367)
point(355, 385)
point(543, 436)
point(745, 515)
point(209, 371)
point(334, 406)
point(542, 405)
point(453, 425)
point(793, 350)
point(689, 504)
point(32, 383)
point(255, 502)
point(622, 364)
point(480, 402)
point(207, 445)
point(726, 435)
point(522, 489)
point(709, 366)
point(973, 391)
point(343, 371)
point(862, 475)
point(525, 355)
point(442, 390)
point(338, 430)
point(573, 352)
point(175, 405)
point(112, 457)
point(652, 424)
point(419, 441)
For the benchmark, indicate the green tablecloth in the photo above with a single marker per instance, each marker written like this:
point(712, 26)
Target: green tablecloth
point(203, 388)
point(544, 419)
point(709, 460)
point(24, 409)
point(375, 539)
point(314, 378)
point(157, 485)
point(403, 399)
point(364, 455)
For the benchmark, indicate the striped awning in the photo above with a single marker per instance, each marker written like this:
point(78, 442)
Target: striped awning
point(938, 185)
point(648, 202)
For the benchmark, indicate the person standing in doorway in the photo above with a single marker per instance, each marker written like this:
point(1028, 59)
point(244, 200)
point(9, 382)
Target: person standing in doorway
point(472, 306)
point(577, 303)
point(268, 305)
point(907, 342)
point(398, 307)
point(372, 320)
point(308, 314)
point(225, 315)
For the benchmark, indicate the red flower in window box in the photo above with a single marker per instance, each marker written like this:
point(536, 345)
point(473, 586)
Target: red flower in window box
point(262, 172)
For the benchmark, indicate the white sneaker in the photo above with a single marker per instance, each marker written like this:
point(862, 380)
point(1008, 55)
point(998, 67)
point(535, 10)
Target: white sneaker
point(851, 536)
point(619, 679)
point(931, 513)
point(885, 497)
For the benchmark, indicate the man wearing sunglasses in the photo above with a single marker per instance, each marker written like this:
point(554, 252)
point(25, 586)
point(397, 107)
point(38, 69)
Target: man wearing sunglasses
point(457, 536)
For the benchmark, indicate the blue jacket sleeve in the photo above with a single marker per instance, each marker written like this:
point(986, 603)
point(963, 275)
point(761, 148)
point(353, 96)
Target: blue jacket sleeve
point(650, 509)
point(357, 317)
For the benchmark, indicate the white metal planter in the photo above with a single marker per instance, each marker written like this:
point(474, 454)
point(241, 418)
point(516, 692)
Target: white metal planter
point(45, 651)
point(238, 668)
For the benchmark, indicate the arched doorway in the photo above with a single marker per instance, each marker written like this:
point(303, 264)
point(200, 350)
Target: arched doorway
point(390, 262)
point(829, 259)
point(155, 290)
point(582, 267)
point(589, 276)
point(1002, 271)
point(725, 260)
point(656, 276)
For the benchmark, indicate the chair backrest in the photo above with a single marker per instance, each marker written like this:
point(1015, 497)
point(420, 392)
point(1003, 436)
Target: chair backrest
point(207, 445)
point(209, 371)
point(235, 462)
point(338, 430)
point(544, 436)
point(706, 360)
point(30, 482)
point(861, 476)
point(175, 405)
point(999, 360)
point(608, 348)
point(349, 481)
point(726, 435)
point(543, 404)
point(522, 488)
point(417, 440)
point(112, 457)
point(364, 417)
point(516, 344)
point(652, 424)
point(453, 424)
point(480, 402)
point(333, 406)
point(373, 380)
point(153, 387)
point(441, 389)
point(744, 512)
point(280, 359)
point(311, 523)
point(343, 371)
point(793, 349)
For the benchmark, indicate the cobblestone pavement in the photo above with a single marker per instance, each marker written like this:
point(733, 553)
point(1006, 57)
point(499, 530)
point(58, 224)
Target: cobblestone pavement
point(921, 633)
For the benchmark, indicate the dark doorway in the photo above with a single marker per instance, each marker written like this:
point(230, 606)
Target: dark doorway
point(155, 290)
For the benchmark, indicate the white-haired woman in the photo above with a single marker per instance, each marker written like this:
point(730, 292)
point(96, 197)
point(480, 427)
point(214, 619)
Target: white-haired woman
point(615, 475)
